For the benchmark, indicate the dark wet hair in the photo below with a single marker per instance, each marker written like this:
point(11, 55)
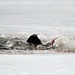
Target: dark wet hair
point(33, 39)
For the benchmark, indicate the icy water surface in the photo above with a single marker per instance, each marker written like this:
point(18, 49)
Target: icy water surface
point(51, 18)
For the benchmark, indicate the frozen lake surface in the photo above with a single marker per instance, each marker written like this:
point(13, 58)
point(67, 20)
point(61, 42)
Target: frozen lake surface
point(44, 16)
point(46, 64)
point(51, 18)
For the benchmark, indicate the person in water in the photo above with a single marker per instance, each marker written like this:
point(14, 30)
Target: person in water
point(33, 39)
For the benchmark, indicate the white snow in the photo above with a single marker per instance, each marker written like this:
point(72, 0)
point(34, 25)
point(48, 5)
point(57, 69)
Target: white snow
point(43, 16)
point(54, 64)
